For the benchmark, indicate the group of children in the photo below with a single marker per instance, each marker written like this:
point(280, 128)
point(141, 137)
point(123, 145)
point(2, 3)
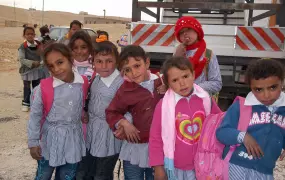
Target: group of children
point(150, 122)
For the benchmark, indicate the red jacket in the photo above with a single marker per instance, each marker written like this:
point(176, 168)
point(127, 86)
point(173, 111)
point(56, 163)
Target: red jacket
point(133, 98)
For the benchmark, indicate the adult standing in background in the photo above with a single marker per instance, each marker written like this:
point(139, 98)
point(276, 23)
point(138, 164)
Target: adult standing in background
point(75, 25)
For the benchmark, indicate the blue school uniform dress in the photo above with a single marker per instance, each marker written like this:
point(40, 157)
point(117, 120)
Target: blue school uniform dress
point(61, 138)
point(267, 127)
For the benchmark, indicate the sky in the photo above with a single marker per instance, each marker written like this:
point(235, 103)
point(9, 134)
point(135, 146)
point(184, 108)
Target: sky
point(122, 8)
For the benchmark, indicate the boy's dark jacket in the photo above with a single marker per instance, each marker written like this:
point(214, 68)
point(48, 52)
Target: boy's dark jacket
point(133, 98)
point(268, 129)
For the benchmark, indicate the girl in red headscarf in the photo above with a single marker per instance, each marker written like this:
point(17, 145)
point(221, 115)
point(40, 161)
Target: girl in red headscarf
point(190, 34)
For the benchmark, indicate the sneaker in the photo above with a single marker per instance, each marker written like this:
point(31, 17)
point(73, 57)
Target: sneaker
point(25, 108)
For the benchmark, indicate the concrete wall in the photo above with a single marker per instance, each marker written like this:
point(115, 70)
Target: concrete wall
point(95, 20)
point(13, 23)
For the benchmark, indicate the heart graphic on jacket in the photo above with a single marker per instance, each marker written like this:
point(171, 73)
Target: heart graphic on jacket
point(189, 128)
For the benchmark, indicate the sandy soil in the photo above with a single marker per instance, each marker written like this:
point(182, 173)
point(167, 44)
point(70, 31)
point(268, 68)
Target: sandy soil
point(16, 162)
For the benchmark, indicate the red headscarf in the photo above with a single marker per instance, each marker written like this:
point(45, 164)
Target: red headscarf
point(191, 22)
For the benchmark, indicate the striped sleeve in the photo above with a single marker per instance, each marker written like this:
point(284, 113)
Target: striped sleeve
point(214, 82)
point(34, 123)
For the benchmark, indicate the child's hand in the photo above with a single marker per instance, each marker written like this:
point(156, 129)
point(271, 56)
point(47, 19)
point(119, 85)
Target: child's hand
point(132, 134)
point(162, 89)
point(282, 155)
point(85, 118)
point(120, 133)
point(252, 147)
point(36, 153)
point(159, 173)
point(36, 64)
point(180, 50)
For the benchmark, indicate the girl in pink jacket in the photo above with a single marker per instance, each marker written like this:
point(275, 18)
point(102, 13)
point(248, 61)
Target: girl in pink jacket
point(177, 122)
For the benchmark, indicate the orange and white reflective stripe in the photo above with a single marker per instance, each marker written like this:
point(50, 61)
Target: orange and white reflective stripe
point(260, 39)
point(153, 34)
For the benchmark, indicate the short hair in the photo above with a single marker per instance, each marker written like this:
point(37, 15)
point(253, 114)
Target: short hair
point(44, 30)
point(60, 48)
point(106, 48)
point(264, 68)
point(28, 28)
point(179, 62)
point(99, 32)
point(84, 36)
point(75, 22)
point(131, 51)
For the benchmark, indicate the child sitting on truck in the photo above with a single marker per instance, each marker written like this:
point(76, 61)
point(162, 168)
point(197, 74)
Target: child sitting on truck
point(190, 34)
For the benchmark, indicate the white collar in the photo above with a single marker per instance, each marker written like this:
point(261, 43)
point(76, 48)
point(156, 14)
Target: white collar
point(251, 100)
point(77, 79)
point(109, 80)
point(195, 92)
point(30, 44)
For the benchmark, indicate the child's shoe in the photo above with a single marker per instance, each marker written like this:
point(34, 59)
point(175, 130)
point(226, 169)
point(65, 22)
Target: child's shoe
point(25, 108)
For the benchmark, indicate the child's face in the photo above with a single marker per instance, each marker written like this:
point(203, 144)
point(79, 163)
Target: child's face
point(188, 36)
point(73, 29)
point(104, 64)
point(59, 66)
point(29, 35)
point(136, 69)
point(80, 50)
point(267, 90)
point(180, 81)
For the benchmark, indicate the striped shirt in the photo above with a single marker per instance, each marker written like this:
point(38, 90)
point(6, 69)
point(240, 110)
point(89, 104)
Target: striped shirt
point(62, 138)
point(101, 141)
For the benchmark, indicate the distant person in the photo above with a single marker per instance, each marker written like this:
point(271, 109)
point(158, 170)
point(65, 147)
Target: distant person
point(45, 38)
point(102, 36)
point(55, 136)
point(74, 26)
point(31, 65)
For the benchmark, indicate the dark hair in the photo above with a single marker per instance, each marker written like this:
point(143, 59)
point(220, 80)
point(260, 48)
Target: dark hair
point(44, 30)
point(264, 68)
point(75, 22)
point(84, 37)
point(58, 47)
point(99, 32)
point(181, 63)
point(131, 51)
point(105, 48)
point(28, 28)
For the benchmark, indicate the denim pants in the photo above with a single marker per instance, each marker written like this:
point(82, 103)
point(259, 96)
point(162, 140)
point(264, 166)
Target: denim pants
point(134, 172)
point(27, 90)
point(96, 168)
point(64, 172)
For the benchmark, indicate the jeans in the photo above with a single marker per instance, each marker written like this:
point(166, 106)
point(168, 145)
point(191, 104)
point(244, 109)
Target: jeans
point(64, 172)
point(97, 168)
point(27, 90)
point(134, 172)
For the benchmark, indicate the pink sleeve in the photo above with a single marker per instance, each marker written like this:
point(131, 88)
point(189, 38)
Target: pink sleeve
point(156, 156)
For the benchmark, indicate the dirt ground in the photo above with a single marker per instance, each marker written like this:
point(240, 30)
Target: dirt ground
point(15, 160)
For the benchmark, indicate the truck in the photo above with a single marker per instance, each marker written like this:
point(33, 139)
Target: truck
point(238, 32)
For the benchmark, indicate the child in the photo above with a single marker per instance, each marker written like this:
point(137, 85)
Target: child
point(101, 143)
point(55, 136)
point(45, 38)
point(189, 33)
point(102, 36)
point(82, 50)
point(138, 95)
point(260, 146)
point(173, 143)
point(75, 25)
point(30, 70)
